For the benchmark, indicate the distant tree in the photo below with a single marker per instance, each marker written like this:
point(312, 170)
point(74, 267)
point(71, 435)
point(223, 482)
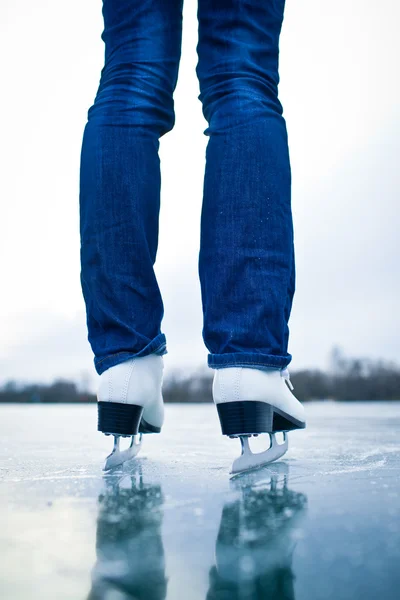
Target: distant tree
point(10, 387)
point(337, 361)
point(347, 379)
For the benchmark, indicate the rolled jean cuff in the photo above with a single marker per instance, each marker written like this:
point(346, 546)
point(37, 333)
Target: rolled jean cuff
point(158, 345)
point(248, 359)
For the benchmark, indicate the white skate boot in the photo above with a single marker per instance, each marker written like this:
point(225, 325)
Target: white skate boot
point(130, 403)
point(253, 401)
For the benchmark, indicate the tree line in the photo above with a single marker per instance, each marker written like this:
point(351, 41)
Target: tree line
point(346, 379)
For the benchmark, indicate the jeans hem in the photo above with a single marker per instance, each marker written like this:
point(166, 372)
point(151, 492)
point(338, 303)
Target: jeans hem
point(157, 346)
point(248, 359)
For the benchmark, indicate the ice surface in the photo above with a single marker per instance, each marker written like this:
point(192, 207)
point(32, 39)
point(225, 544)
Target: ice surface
point(322, 523)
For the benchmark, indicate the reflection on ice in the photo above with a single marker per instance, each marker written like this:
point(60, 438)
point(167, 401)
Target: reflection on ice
point(256, 538)
point(130, 554)
point(258, 530)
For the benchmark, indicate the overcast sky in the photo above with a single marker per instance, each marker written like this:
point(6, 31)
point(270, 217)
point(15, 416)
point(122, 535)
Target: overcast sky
point(339, 88)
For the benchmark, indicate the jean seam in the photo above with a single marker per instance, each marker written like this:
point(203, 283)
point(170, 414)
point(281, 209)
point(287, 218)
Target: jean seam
point(243, 364)
point(98, 362)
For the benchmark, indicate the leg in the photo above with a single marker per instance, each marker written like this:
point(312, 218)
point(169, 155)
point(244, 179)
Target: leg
point(246, 262)
point(120, 178)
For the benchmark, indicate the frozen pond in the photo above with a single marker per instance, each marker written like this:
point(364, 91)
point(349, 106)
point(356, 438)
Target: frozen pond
point(322, 524)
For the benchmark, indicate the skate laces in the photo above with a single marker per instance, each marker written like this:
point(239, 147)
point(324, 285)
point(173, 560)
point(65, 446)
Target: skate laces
point(286, 377)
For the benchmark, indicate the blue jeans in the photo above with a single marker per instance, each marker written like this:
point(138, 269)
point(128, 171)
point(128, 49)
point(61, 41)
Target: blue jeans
point(246, 260)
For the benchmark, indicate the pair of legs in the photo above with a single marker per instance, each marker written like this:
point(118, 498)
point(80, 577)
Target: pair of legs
point(246, 261)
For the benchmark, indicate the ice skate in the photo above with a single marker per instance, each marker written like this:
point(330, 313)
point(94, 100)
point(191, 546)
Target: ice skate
point(254, 401)
point(130, 404)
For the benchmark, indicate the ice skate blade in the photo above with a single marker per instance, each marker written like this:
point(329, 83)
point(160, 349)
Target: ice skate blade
point(119, 457)
point(249, 461)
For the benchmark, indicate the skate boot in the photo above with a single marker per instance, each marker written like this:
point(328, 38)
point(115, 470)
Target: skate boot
point(254, 401)
point(130, 404)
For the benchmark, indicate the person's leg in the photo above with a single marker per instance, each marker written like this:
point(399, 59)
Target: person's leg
point(246, 262)
point(120, 178)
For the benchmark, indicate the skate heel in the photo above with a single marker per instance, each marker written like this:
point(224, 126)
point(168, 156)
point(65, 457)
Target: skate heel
point(253, 417)
point(245, 418)
point(116, 418)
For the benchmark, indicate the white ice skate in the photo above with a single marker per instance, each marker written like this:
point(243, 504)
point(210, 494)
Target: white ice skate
point(130, 404)
point(254, 401)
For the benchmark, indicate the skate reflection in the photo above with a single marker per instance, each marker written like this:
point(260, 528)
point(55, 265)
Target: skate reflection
point(130, 555)
point(256, 539)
